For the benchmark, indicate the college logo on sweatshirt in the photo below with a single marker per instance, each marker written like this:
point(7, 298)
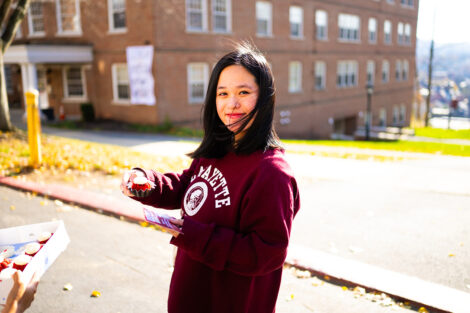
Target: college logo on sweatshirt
point(197, 193)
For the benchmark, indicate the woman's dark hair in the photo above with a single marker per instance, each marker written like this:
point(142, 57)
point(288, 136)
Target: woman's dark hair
point(218, 140)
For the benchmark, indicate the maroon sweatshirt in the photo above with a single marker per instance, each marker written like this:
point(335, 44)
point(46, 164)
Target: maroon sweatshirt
point(238, 212)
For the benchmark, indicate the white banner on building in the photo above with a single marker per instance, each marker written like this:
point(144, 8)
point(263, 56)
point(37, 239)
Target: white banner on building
point(139, 67)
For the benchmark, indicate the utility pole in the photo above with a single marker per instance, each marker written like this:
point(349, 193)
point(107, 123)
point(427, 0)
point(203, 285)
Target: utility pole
point(431, 55)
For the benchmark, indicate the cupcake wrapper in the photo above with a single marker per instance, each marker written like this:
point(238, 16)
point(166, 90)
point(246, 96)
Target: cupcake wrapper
point(141, 193)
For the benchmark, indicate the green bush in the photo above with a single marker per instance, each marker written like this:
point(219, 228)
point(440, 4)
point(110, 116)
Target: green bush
point(88, 112)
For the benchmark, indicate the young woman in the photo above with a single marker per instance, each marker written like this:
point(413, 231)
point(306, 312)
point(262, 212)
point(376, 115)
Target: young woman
point(239, 197)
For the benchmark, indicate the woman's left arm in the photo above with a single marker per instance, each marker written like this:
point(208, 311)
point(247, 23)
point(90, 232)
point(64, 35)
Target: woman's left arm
point(267, 213)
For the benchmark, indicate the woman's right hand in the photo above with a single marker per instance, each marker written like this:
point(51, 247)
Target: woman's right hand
point(128, 176)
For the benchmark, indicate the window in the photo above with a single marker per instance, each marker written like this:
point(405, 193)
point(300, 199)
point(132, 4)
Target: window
point(400, 33)
point(221, 13)
point(263, 18)
point(385, 71)
point(295, 76)
point(74, 86)
point(349, 27)
point(198, 74)
point(346, 74)
point(320, 75)
point(402, 114)
point(196, 15)
point(398, 70)
point(407, 3)
point(117, 15)
point(36, 19)
point(372, 30)
point(121, 91)
point(296, 17)
point(321, 23)
point(383, 117)
point(406, 68)
point(391, 1)
point(396, 114)
point(68, 16)
point(8, 78)
point(387, 32)
point(407, 34)
point(370, 72)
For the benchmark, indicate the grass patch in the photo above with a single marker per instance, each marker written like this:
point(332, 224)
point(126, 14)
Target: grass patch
point(62, 154)
point(403, 146)
point(443, 133)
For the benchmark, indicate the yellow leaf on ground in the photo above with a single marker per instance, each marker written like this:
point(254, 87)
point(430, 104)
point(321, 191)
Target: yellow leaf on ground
point(422, 310)
point(451, 255)
point(144, 224)
point(326, 277)
point(12, 207)
point(68, 287)
point(344, 288)
point(95, 294)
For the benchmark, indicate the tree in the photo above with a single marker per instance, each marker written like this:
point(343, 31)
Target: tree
point(8, 22)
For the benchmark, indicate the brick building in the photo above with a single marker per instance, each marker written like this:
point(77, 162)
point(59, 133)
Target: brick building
point(323, 54)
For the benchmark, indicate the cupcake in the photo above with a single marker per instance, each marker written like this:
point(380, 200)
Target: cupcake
point(21, 261)
point(44, 237)
point(32, 248)
point(140, 186)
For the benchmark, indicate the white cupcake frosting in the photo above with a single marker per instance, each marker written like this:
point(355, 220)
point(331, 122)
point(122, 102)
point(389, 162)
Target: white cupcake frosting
point(22, 259)
point(32, 247)
point(140, 180)
point(44, 236)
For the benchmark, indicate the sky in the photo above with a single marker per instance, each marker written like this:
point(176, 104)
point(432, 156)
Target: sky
point(452, 23)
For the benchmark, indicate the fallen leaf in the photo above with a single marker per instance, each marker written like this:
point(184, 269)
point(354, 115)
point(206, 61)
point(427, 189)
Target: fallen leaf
point(422, 310)
point(68, 287)
point(326, 277)
point(344, 288)
point(451, 255)
point(95, 294)
point(144, 224)
point(42, 203)
point(12, 207)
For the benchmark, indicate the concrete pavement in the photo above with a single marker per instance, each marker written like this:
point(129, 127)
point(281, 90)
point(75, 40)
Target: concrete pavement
point(131, 266)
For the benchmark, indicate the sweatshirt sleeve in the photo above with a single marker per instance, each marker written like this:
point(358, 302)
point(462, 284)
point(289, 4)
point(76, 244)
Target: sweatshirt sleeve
point(169, 187)
point(260, 247)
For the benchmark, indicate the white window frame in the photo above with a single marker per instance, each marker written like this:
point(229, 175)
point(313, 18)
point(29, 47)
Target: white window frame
point(7, 70)
point(31, 32)
point(398, 70)
point(67, 97)
point(228, 17)
point(205, 81)
point(115, 82)
point(321, 16)
point(407, 34)
point(111, 28)
point(347, 74)
point(383, 117)
point(320, 73)
point(296, 16)
point(406, 70)
point(372, 30)
point(203, 12)
point(385, 71)
point(400, 33)
point(295, 77)
point(268, 14)
point(370, 71)
point(402, 114)
point(388, 34)
point(60, 30)
point(351, 25)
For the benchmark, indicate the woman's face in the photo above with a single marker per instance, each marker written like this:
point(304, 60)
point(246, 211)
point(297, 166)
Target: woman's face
point(237, 93)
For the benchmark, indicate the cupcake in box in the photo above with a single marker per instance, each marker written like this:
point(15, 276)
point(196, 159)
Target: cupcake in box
point(140, 186)
point(32, 248)
point(20, 262)
point(44, 237)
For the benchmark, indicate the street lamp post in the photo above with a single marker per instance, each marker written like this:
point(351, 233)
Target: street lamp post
point(370, 91)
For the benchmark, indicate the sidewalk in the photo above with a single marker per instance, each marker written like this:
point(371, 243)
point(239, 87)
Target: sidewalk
point(433, 297)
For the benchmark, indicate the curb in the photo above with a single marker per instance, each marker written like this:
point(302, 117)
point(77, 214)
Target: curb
point(340, 271)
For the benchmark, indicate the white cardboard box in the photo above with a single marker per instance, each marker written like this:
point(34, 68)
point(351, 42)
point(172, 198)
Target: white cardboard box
point(22, 235)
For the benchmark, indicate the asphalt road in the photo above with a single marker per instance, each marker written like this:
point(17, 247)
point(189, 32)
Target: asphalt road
point(131, 266)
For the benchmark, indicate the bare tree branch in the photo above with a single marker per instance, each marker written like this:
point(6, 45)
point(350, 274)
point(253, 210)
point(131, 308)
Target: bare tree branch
point(4, 8)
point(12, 25)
